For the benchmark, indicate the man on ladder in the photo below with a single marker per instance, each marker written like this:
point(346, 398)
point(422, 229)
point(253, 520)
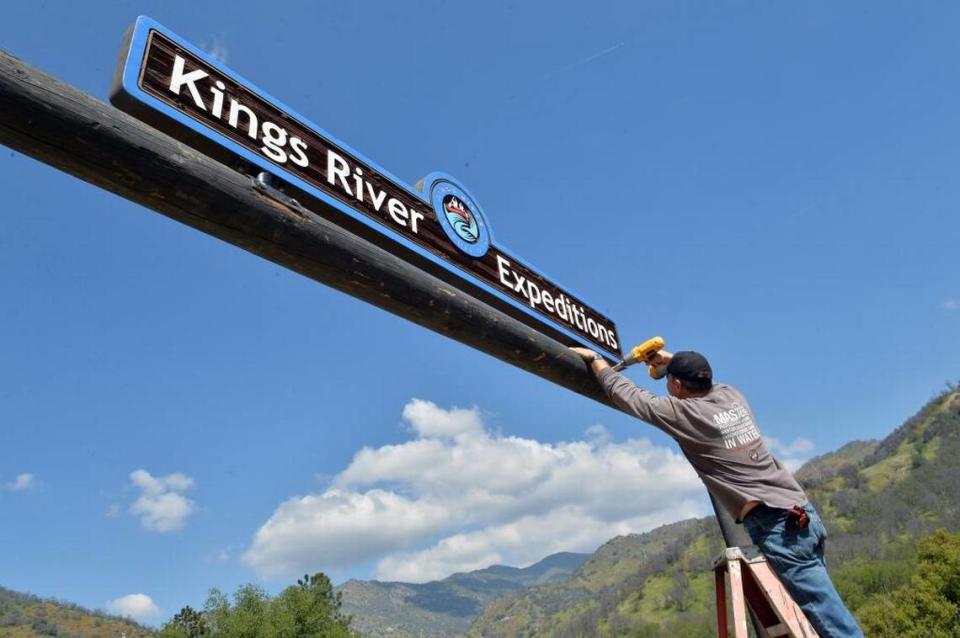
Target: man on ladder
point(716, 431)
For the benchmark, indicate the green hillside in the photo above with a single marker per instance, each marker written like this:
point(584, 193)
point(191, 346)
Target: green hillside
point(877, 499)
point(446, 608)
point(661, 575)
point(25, 616)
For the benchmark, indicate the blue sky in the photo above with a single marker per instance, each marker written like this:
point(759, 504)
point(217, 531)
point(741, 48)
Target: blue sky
point(773, 184)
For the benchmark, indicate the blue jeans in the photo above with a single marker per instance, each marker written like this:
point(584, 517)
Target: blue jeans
point(796, 555)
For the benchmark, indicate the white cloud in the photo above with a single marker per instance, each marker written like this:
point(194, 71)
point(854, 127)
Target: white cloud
point(22, 483)
point(162, 507)
point(430, 421)
point(217, 49)
point(457, 497)
point(221, 555)
point(793, 454)
point(799, 445)
point(598, 434)
point(951, 304)
point(340, 528)
point(136, 606)
point(521, 542)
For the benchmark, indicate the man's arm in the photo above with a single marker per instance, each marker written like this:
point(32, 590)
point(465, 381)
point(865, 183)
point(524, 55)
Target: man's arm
point(627, 396)
point(592, 359)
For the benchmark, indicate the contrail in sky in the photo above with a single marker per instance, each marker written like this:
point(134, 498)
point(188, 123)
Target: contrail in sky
point(581, 62)
point(529, 87)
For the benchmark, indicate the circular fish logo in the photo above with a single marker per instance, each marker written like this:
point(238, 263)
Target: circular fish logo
point(459, 215)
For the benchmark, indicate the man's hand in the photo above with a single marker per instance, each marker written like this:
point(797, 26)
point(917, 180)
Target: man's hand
point(586, 354)
point(661, 358)
point(595, 362)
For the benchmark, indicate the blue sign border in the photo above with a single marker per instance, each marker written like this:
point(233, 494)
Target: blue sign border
point(128, 85)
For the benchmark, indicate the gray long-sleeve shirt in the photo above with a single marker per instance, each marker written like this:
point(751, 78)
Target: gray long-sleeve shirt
point(719, 436)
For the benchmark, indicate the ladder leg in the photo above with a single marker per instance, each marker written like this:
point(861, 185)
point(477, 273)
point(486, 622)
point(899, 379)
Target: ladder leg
point(737, 602)
point(720, 579)
point(788, 611)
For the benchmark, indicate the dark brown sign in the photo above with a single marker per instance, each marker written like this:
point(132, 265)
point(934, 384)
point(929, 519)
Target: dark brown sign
point(179, 89)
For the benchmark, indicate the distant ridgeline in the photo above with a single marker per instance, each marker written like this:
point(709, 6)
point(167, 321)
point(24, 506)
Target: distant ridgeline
point(26, 616)
point(877, 499)
point(445, 608)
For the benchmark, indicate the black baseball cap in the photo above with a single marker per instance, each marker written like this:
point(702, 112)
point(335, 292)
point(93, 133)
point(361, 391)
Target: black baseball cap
point(691, 366)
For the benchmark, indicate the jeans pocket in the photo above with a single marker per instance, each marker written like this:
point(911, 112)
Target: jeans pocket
point(759, 526)
point(816, 524)
point(804, 543)
point(822, 533)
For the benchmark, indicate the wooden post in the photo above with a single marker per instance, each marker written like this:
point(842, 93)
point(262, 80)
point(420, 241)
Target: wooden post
point(59, 125)
point(737, 601)
point(720, 591)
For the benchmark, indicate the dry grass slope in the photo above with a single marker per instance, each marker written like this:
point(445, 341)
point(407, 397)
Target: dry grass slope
point(25, 616)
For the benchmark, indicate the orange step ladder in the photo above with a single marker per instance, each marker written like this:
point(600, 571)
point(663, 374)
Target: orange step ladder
point(753, 583)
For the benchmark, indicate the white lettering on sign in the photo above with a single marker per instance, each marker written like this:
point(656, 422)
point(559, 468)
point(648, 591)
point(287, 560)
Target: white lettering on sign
point(350, 180)
point(560, 306)
point(179, 78)
point(281, 147)
point(275, 138)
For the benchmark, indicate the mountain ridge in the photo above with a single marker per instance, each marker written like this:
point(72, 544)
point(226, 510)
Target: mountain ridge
point(447, 607)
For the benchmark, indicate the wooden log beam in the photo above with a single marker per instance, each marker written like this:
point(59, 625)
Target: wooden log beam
point(59, 125)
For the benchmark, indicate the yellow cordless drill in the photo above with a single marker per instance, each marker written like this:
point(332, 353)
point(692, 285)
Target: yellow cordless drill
point(644, 353)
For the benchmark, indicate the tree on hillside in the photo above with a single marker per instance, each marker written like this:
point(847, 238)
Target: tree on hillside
point(309, 609)
point(929, 605)
point(188, 623)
